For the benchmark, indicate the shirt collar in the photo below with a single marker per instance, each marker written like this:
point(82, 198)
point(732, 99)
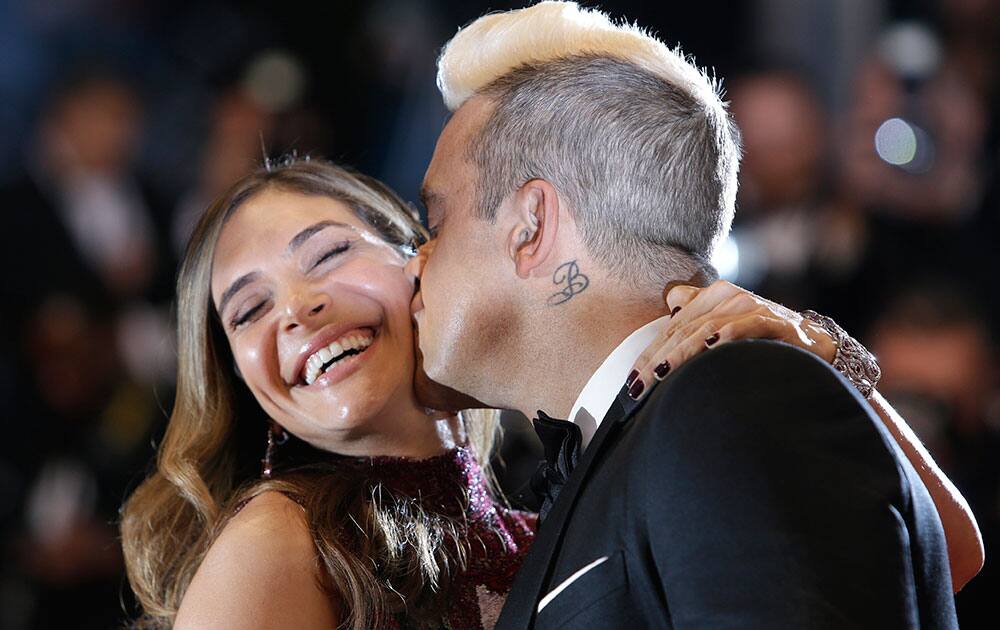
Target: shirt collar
point(600, 391)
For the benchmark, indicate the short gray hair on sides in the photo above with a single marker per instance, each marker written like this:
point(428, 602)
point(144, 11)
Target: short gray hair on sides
point(634, 137)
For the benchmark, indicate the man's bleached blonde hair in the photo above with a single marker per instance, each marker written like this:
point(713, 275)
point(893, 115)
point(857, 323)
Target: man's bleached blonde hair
point(632, 134)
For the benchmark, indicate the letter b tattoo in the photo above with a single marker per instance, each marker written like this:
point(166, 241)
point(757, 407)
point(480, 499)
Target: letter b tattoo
point(567, 276)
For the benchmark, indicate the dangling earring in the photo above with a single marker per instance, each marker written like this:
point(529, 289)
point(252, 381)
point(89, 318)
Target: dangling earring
point(276, 436)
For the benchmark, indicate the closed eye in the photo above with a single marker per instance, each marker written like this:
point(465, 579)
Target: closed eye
point(248, 315)
point(332, 253)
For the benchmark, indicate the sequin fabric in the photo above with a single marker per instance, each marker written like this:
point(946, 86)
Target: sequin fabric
point(453, 485)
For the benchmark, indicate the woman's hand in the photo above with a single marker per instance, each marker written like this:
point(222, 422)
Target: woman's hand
point(720, 313)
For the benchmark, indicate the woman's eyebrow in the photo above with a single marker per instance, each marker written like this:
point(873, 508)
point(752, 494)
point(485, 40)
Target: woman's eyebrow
point(305, 234)
point(234, 288)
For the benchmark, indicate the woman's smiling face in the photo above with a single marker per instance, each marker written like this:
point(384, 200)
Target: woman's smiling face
point(316, 310)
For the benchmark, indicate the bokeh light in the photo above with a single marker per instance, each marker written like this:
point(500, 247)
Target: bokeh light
point(275, 80)
point(896, 142)
point(727, 259)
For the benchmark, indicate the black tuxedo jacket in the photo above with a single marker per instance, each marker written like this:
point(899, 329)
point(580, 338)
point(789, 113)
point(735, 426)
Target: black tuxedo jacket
point(753, 488)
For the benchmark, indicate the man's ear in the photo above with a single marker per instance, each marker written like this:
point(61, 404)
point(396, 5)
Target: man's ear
point(532, 238)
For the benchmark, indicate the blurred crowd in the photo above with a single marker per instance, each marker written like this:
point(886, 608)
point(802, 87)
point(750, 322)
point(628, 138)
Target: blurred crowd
point(869, 192)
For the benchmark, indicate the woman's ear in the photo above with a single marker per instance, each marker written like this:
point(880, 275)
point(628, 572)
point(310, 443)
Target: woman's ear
point(532, 238)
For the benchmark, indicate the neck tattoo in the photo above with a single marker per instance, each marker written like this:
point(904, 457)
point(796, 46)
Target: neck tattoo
point(571, 282)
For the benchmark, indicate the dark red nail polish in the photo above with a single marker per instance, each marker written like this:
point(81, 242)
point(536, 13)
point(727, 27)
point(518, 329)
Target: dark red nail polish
point(711, 340)
point(636, 389)
point(634, 374)
point(675, 311)
point(661, 370)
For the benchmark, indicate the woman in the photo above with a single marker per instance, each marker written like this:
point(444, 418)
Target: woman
point(293, 290)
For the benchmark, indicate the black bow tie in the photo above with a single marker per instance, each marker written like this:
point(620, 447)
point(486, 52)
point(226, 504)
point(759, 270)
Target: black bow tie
point(562, 441)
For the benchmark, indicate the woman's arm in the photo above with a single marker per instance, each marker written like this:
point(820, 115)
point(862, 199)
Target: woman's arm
point(261, 573)
point(723, 312)
point(965, 542)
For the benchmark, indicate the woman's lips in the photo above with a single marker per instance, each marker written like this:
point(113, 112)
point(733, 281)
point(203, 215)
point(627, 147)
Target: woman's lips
point(344, 368)
point(322, 339)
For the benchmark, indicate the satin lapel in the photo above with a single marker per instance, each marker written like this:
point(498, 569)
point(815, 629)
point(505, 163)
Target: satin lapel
point(534, 573)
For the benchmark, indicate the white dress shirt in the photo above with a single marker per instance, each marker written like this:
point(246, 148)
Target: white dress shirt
point(600, 391)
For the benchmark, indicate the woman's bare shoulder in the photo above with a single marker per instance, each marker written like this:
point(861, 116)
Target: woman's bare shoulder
point(263, 571)
point(266, 515)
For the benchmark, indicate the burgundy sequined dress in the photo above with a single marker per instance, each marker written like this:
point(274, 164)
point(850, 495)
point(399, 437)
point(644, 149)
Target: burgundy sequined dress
point(452, 484)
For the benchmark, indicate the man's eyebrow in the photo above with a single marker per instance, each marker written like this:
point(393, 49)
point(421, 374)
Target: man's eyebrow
point(427, 195)
point(234, 288)
point(305, 234)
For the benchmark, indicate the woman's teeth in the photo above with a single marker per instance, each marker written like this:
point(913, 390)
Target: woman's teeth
point(321, 360)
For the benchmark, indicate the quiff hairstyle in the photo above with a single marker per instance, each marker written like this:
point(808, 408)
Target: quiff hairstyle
point(633, 135)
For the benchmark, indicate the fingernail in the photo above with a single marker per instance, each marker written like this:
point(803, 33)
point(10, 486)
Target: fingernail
point(636, 389)
point(675, 311)
point(660, 371)
point(711, 340)
point(634, 374)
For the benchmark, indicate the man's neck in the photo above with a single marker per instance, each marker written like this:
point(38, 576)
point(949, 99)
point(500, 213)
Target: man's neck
point(573, 350)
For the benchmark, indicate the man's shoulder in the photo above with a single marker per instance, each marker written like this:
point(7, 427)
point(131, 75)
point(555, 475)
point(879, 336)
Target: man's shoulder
point(762, 353)
point(756, 387)
point(754, 369)
point(763, 410)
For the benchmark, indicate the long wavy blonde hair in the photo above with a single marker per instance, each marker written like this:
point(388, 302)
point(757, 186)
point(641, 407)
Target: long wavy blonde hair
point(208, 461)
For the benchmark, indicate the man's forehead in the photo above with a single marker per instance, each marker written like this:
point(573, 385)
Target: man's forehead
point(448, 165)
point(470, 116)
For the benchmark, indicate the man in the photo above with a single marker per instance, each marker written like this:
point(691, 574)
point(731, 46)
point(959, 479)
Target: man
point(587, 166)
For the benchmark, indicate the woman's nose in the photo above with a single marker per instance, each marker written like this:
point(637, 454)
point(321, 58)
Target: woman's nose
point(305, 310)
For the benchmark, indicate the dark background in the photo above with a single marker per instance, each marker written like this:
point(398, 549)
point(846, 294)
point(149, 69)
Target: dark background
point(868, 192)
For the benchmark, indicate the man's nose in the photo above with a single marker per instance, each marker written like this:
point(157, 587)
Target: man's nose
point(304, 310)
